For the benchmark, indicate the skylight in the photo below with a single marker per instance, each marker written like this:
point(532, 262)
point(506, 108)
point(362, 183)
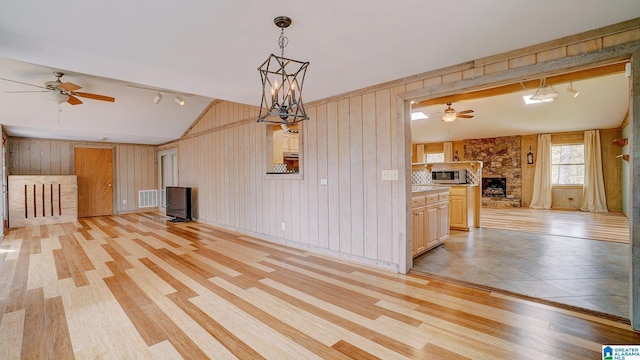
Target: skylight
point(528, 101)
point(418, 115)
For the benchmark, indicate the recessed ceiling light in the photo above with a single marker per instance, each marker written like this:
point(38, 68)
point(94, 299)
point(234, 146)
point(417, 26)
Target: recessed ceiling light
point(418, 115)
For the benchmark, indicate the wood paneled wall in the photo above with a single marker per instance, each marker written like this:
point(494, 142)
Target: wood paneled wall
point(348, 142)
point(135, 165)
point(136, 169)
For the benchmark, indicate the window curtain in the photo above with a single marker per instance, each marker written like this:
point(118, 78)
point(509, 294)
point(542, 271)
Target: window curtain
point(448, 151)
point(541, 198)
point(593, 195)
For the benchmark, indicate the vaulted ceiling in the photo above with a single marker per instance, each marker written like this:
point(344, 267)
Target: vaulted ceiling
point(211, 50)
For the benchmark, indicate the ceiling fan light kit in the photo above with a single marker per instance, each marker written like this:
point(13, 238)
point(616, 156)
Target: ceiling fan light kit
point(60, 98)
point(282, 81)
point(450, 114)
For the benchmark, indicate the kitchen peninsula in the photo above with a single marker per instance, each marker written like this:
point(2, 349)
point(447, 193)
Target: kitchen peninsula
point(460, 196)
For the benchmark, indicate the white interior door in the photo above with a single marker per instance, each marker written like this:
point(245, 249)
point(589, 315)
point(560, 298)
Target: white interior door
point(167, 173)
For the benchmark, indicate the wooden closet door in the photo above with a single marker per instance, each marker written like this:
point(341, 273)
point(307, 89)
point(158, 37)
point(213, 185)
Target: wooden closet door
point(94, 169)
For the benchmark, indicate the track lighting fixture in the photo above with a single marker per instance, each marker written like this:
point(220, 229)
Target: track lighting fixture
point(157, 98)
point(571, 91)
point(545, 91)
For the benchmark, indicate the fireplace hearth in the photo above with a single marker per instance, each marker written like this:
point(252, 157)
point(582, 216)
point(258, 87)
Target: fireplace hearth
point(494, 187)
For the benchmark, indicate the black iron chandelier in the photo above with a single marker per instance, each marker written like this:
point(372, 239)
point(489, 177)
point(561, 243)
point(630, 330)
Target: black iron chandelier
point(282, 81)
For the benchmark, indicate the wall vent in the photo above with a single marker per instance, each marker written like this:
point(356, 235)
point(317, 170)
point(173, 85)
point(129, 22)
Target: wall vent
point(147, 198)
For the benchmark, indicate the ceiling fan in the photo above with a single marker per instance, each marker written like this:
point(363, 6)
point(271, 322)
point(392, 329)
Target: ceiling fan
point(66, 91)
point(450, 114)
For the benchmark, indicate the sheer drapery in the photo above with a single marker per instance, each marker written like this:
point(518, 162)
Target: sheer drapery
point(541, 198)
point(593, 194)
point(448, 151)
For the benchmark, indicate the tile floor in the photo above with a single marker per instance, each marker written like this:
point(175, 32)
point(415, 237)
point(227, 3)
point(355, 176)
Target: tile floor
point(589, 274)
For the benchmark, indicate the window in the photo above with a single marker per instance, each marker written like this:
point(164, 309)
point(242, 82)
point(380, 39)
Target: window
point(435, 157)
point(567, 164)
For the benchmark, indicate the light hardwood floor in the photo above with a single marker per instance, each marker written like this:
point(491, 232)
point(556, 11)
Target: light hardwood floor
point(136, 286)
point(611, 226)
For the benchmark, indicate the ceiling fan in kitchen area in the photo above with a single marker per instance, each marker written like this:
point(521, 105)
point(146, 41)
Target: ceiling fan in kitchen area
point(450, 114)
point(65, 91)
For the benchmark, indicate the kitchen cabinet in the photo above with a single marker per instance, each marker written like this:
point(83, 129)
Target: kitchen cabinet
point(430, 212)
point(462, 207)
point(290, 142)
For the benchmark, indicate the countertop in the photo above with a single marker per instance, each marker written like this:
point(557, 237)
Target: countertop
point(425, 189)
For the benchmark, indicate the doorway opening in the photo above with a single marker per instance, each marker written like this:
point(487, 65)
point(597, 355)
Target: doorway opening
point(530, 265)
point(167, 174)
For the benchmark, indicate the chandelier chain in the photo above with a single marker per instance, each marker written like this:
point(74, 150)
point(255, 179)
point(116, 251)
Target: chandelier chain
point(283, 41)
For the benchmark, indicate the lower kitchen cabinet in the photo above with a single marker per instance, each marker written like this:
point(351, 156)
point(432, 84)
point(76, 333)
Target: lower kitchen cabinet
point(430, 214)
point(462, 207)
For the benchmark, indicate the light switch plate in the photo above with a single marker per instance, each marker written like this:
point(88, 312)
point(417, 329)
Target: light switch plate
point(323, 181)
point(389, 174)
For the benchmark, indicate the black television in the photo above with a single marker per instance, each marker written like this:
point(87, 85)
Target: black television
point(178, 203)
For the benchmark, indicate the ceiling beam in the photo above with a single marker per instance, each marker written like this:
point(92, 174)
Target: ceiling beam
point(528, 84)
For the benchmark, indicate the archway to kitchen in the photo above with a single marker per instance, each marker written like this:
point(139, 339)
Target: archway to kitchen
point(455, 265)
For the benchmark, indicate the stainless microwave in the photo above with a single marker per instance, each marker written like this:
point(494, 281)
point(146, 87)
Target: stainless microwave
point(449, 176)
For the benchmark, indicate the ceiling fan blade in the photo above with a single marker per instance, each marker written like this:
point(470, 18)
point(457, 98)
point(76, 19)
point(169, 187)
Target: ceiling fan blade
point(465, 116)
point(23, 83)
point(465, 112)
point(69, 86)
point(26, 91)
point(74, 100)
point(95, 96)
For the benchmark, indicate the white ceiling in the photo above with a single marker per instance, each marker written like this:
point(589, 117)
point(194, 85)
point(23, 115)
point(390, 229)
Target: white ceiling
point(602, 104)
point(212, 49)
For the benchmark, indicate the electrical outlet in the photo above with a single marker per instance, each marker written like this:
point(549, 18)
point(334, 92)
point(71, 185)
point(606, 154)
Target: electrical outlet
point(124, 202)
point(283, 227)
point(389, 174)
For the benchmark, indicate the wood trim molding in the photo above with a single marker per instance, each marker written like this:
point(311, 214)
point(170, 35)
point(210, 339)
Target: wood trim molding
point(527, 84)
point(202, 114)
point(525, 73)
point(565, 41)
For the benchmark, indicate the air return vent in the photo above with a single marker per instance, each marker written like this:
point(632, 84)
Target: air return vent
point(147, 198)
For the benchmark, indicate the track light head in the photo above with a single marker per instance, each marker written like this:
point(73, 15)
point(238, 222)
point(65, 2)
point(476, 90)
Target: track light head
point(179, 100)
point(157, 98)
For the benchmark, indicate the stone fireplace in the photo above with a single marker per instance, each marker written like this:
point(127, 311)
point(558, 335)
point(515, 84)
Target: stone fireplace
point(502, 169)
